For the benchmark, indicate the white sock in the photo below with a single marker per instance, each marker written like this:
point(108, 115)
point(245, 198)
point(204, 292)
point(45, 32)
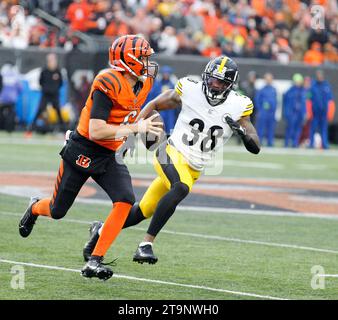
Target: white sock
point(100, 230)
point(144, 243)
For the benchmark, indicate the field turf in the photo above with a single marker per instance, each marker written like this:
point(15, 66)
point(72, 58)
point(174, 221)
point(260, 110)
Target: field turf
point(202, 255)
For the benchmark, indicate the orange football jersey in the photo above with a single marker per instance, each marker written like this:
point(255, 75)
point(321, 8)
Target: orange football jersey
point(126, 105)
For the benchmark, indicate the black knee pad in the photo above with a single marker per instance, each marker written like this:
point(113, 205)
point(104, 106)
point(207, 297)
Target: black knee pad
point(181, 190)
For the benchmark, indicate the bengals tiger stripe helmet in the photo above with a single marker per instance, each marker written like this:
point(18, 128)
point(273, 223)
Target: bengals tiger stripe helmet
point(131, 53)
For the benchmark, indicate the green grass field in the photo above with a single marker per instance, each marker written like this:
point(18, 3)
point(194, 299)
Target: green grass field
point(202, 255)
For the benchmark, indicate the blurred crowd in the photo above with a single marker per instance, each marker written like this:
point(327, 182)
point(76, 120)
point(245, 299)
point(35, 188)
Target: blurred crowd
point(307, 106)
point(282, 30)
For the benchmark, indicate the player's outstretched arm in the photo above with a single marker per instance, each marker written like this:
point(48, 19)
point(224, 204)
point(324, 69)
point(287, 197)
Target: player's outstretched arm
point(247, 132)
point(169, 99)
point(101, 130)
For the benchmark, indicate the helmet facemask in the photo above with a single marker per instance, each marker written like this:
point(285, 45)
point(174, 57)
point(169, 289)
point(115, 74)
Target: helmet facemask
point(149, 68)
point(217, 84)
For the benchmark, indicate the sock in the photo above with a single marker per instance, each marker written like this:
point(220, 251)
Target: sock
point(144, 243)
point(41, 208)
point(112, 227)
point(135, 217)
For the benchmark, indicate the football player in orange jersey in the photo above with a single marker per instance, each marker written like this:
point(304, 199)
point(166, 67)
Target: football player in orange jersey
point(106, 121)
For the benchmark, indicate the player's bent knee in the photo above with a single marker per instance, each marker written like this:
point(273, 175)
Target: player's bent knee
point(147, 208)
point(181, 189)
point(128, 198)
point(57, 213)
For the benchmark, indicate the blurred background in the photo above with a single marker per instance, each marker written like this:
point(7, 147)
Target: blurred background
point(287, 52)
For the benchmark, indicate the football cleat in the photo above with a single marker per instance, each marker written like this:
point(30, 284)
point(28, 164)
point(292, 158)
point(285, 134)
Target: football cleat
point(27, 221)
point(144, 253)
point(94, 268)
point(93, 238)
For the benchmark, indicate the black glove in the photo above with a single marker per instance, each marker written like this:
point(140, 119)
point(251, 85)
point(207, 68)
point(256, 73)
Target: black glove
point(235, 127)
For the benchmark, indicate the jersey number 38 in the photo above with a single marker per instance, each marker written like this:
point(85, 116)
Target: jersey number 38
point(209, 142)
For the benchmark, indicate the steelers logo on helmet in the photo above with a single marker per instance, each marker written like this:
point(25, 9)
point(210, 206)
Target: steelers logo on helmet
point(219, 76)
point(131, 53)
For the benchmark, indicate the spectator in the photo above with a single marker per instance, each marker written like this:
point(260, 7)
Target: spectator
point(274, 30)
point(266, 104)
point(194, 21)
point(318, 35)
point(155, 33)
point(79, 14)
point(314, 56)
point(51, 82)
point(186, 46)
point(168, 43)
point(213, 50)
point(323, 108)
point(264, 52)
point(294, 111)
point(9, 94)
point(141, 22)
point(299, 41)
point(330, 54)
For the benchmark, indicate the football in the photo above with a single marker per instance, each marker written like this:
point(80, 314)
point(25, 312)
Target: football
point(151, 141)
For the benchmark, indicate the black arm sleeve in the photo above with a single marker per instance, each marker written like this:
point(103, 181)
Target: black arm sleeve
point(250, 144)
point(102, 106)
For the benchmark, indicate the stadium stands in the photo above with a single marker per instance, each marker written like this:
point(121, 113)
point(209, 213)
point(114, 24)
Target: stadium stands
point(282, 30)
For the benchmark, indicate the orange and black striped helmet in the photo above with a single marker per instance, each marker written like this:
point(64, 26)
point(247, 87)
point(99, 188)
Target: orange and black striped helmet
point(131, 53)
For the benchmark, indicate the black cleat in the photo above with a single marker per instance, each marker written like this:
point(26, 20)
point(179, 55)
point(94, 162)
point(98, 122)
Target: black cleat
point(94, 268)
point(27, 221)
point(145, 254)
point(93, 238)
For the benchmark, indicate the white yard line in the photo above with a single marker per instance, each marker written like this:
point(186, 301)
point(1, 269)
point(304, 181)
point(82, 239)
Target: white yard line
point(205, 236)
point(273, 213)
point(168, 283)
point(264, 243)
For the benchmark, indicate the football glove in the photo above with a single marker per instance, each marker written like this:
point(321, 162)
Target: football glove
point(235, 127)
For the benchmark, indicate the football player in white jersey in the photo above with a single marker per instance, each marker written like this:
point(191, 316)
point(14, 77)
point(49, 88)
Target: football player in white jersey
point(210, 112)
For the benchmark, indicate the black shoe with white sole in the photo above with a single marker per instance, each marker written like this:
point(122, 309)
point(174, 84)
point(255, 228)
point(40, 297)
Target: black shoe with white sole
point(94, 268)
point(144, 253)
point(27, 221)
point(93, 238)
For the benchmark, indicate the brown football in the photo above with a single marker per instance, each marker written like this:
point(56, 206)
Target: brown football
point(151, 141)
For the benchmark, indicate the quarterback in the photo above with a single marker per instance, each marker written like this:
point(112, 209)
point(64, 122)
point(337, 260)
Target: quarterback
point(106, 120)
point(211, 111)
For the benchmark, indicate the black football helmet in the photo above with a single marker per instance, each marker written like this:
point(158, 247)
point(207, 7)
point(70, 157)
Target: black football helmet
point(219, 76)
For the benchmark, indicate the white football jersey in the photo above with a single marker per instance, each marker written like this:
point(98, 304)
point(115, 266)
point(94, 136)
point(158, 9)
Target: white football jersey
point(201, 128)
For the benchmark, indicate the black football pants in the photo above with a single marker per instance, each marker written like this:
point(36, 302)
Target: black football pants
point(115, 181)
